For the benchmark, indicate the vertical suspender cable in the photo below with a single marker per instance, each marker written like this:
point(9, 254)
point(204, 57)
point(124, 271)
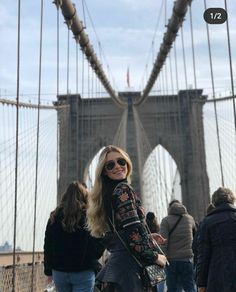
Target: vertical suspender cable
point(195, 86)
point(166, 119)
point(68, 132)
point(37, 146)
point(82, 117)
point(179, 123)
point(213, 89)
point(88, 112)
point(58, 126)
point(17, 140)
point(176, 69)
point(188, 98)
point(68, 61)
point(193, 52)
point(171, 165)
point(231, 67)
point(77, 68)
point(195, 80)
point(184, 59)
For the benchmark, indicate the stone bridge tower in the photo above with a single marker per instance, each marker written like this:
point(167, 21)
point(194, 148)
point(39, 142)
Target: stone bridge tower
point(173, 121)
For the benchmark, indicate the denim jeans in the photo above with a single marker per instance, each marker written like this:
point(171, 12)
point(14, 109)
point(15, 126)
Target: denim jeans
point(83, 281)
point(179, 274)
point(161, 287)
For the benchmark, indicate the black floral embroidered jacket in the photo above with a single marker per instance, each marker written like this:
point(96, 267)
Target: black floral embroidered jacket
point(129, 217)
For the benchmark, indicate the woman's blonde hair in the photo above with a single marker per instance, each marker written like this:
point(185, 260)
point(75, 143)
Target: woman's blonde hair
point(96, 215)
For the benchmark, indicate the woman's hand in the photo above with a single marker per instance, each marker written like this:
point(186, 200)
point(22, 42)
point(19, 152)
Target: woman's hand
point(50, 279)
point(158, 238)
point(161, 260)
point(201, 289)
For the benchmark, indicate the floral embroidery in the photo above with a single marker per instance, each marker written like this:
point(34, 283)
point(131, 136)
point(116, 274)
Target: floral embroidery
point(129, 215)
point(137, 248)
point(124, 197)
point(135, 236)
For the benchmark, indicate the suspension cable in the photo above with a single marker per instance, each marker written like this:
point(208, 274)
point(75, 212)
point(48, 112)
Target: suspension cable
point(184, 59)
point(82, 109)
point(77, 68)
point(58, 79)
point(213, 90)
point(231, 67)
point(17, 141)
point(177, 18)
point(200, 142)
point(193, 51)
point(37, 145)
point(73, 21)
point(68, 62)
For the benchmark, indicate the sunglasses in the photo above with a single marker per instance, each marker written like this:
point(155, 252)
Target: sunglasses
point(111, 164)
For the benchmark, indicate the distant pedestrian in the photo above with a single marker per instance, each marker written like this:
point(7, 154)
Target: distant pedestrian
point(216, 263)
point(70, 252)
point(178, 228)
point(154, 227)
point(173, 201)
point(152, 222)
point(195, 243)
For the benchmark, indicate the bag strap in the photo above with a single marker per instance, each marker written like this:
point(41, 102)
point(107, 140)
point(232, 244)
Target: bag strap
point(176, 223)
point(124, 244)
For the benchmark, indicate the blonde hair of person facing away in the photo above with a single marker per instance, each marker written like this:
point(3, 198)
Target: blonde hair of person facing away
point(96, 213)
point(73, 206)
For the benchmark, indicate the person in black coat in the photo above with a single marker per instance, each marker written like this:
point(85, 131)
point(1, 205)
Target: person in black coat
point(196, 238)
point(216, 263)
point(70, 252)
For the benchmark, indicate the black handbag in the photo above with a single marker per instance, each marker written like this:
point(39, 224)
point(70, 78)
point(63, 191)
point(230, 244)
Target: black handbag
point(150, 275)
point(153, 274)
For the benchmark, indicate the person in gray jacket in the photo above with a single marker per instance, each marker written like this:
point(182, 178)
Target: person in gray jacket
point(178, 228)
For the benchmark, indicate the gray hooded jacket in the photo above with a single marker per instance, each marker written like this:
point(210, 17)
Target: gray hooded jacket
point(179, 242)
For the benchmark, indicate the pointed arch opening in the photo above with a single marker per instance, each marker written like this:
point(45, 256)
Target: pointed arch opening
point(89, 175)
point(160, 182)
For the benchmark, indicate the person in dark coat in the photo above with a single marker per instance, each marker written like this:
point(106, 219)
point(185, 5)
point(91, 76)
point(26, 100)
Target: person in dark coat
point(113, 201)
point(216, 263)
point(70, 252)
point(196, 237)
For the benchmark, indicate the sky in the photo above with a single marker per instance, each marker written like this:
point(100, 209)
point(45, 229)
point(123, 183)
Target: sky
point(125, 34)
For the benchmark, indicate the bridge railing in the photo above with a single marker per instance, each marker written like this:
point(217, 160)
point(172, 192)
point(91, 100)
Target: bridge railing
point(23, 273)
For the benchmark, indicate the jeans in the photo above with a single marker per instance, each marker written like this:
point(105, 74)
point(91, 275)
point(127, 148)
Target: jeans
point(179, 274)
point(83, 281)
point(161, 287)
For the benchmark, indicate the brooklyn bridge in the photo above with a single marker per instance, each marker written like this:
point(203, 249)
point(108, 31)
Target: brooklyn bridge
point(171, 107)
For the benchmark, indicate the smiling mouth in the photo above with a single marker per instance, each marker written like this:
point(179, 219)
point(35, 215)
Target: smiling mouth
point(118, 172)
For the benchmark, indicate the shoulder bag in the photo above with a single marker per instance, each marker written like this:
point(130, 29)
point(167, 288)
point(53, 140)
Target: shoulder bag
point(176, 223)
point(150, 275)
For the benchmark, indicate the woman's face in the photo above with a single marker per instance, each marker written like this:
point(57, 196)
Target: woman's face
point(115, 166)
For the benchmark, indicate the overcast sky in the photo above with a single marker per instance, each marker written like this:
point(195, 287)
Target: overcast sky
point(124, 33)
point(129, 33)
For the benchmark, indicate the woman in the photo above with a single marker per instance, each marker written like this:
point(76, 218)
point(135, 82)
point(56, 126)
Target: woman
point(113, 200)
point(152, 223)
point(154, 227)
point(216, 263)
point(70, 252)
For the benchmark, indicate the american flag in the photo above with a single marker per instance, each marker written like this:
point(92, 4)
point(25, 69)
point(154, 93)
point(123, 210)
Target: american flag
point(127, 77)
